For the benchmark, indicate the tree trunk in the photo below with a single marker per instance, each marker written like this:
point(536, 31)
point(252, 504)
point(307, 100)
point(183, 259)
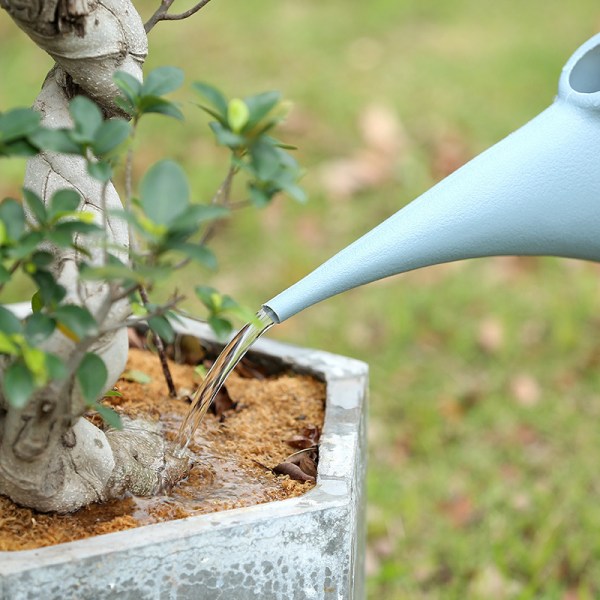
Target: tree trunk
point(51, 458)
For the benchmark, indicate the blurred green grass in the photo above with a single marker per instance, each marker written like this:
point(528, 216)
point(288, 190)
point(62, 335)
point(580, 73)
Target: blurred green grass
point(485, 385)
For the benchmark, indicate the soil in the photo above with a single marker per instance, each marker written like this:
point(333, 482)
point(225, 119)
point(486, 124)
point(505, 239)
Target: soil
point(234, 452)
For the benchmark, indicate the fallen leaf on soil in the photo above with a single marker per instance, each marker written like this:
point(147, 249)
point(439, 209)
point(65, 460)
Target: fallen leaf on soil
point(305, 462)
point(309, 437)
point(292, 471)
point(247, 370)
point(222, 403)
point(300, 466)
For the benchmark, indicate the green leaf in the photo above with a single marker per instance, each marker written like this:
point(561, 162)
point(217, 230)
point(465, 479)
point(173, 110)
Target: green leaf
point(7, 345)
point(207, 296)
point(62, 239)
point(110, 135)
point(76, 319)
point(199, 253)
point(56, 367)
point(109, 416)
point(161, 327)
point(27, 244)
point(225, 137)
point(164, 192)
point(125, 105)
point(260, 106)
point(265, 160)
point(197, 214)
point(129, 85)
point(55, 140)
point(162, 80)
point(37, 302)
point(4, 273)
point(87, 116)
point(214, 96)
point(17, 123)
point(36, 206)
point(295, 192)
point(222, 327)
point(18, 148)
point(112, 394)
point(17, 384)
point(35, 360)
point(70, 228)
point(9, 322)
point(63, 201)
point(111, 272)
point(154, 104)
point(237, 114)
point(213, 113)
point(258, 196)
point(13, 217)
point(101, 170)
point(38, 327)
point(136, 376)
point(91, 376)
point(51, 291)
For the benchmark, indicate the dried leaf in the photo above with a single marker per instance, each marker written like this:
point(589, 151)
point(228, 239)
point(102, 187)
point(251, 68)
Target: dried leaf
point(300, 442)
point(248, 370)
point(309, 436)
point(525, 390)
point(308, 466)
point(292, 471)
point(222, 403)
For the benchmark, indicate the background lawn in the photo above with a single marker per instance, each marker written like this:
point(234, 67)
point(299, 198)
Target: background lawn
point(485, 384)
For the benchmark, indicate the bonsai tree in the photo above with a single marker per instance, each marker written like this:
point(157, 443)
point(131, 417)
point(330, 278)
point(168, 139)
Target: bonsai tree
point(94, 257)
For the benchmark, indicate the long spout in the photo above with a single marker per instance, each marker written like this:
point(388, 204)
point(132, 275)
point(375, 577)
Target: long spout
point(537, 192)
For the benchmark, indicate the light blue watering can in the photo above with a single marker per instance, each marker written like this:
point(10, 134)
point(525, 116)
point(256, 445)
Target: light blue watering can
point(537, 192)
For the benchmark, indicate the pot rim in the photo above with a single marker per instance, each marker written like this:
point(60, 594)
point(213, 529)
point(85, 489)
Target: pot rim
point(346, 380)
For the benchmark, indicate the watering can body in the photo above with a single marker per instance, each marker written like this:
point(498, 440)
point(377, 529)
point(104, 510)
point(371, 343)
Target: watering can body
point(536, 192)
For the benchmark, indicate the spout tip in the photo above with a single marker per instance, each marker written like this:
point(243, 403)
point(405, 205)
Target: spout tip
point(271, 314)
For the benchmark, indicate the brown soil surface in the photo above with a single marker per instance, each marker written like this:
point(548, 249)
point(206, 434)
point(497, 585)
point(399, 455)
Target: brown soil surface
point(226, 475)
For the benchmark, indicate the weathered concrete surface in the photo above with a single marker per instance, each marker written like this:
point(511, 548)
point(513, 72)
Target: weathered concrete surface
point(304, 548)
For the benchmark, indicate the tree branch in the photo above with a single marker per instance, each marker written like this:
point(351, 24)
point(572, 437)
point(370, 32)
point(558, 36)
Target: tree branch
point(160, 348)
point(162, 13)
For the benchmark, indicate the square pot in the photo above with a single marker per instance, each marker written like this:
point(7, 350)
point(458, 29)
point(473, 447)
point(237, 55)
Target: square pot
point(307, 547)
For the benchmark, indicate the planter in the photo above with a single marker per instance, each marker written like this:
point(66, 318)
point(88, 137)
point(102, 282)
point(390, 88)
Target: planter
point(307, 547)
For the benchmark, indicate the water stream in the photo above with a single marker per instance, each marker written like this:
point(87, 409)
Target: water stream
point(225, 363)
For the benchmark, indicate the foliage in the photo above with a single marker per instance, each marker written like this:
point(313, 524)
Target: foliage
point(169, 228)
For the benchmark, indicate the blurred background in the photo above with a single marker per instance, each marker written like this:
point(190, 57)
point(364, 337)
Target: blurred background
point(485, 381)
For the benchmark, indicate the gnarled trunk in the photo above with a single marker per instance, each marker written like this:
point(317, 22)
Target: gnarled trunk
point(52, 459)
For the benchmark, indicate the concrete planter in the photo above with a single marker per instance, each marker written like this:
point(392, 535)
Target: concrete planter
point(301, 548)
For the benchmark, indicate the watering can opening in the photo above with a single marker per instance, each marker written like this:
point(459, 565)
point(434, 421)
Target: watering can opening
point(535, 193)
point(585, 74)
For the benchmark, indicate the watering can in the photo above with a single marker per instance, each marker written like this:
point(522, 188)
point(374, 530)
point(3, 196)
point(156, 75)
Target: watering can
point(536, 192)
